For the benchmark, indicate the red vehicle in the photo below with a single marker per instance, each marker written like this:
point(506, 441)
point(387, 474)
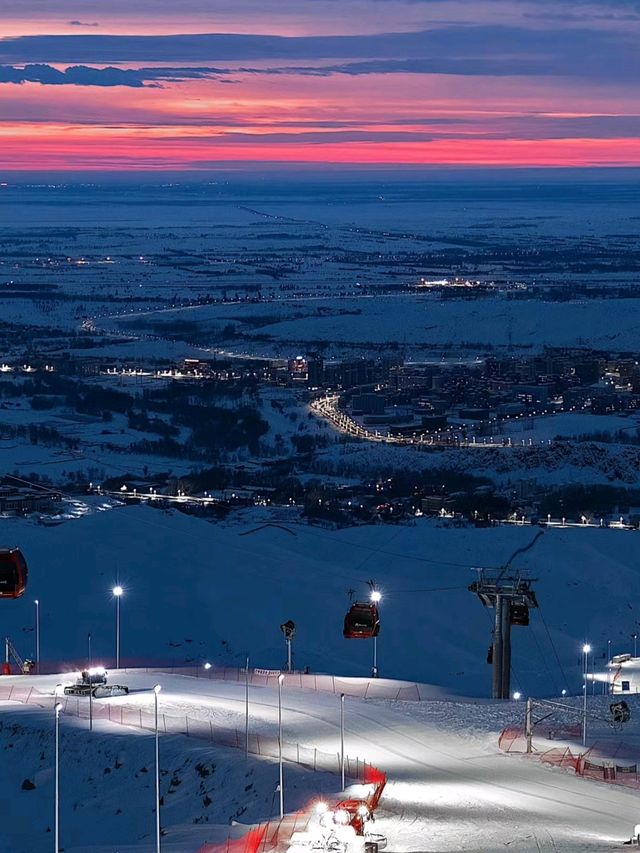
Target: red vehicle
point(13, 573)
point(356, 813)
point(362, 621)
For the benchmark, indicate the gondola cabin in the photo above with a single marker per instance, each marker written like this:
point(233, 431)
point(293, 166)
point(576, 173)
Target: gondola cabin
point(362, 621)
point(13, 573)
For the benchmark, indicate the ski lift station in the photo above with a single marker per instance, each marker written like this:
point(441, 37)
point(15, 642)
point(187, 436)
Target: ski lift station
point(624, 674)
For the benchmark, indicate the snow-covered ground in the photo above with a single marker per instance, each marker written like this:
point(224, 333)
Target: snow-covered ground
point(410, 319)
point(567, 425)
point(449, 786)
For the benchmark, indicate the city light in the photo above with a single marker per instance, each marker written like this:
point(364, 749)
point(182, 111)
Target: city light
point(117, 591)
point(376, 596)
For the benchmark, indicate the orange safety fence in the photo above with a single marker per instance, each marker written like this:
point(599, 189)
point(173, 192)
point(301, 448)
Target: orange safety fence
point(597, 763)
point(512, 739)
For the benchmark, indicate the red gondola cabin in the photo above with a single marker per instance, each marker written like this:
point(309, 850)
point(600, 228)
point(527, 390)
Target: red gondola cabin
point(13, 573)
point(362, 621)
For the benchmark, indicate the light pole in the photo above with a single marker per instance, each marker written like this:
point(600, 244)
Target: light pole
point(342, 739)
point(156, 691)
point(634, 637)
point(37, 604)
point(375, 598)
point(281, 780)
point(585, 652)
point(117, 594)
point(58, 708)
point(246, 710)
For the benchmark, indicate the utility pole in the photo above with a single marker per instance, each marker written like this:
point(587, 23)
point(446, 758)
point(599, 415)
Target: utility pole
point(512, 597)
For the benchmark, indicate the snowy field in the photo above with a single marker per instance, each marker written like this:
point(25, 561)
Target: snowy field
point(421, 321)
point(568, 425)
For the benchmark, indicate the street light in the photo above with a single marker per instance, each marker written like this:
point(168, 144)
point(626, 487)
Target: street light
point(342, 739)
point(117, 594)
point(634, 637)
point(58, 708)
point(156, 691)
point(281, 785)
point(585, 652)
point(376, 596)
point(37, 604)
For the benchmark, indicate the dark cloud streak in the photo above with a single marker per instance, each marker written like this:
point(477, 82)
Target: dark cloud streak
point(83, 75)
point(471, 50)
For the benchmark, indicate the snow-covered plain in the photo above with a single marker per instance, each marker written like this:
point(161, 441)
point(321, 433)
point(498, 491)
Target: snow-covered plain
point(410, 320)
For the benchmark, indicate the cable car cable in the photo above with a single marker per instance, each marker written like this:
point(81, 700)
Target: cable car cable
point(544, 658)
point(553, 646)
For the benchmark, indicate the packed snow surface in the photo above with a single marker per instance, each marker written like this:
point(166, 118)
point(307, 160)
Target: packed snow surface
point(449, 787)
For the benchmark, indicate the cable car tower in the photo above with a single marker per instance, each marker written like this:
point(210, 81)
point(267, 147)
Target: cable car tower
point(512, 597)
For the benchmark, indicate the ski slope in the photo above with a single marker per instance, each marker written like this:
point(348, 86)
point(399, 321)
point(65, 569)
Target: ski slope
point(449, 788)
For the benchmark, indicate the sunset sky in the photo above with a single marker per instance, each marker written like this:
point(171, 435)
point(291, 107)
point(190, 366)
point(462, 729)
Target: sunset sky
point(145, 84)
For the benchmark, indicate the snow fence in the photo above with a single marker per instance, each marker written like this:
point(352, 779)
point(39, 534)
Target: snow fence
point(357, 688)
point(598, 762)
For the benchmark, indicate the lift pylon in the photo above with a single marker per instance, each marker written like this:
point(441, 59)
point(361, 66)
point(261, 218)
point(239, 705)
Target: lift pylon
point(511, 597)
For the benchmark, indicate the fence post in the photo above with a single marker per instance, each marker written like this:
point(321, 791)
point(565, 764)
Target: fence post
point(164, 723)
point(140, 717)
point(528, 727)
